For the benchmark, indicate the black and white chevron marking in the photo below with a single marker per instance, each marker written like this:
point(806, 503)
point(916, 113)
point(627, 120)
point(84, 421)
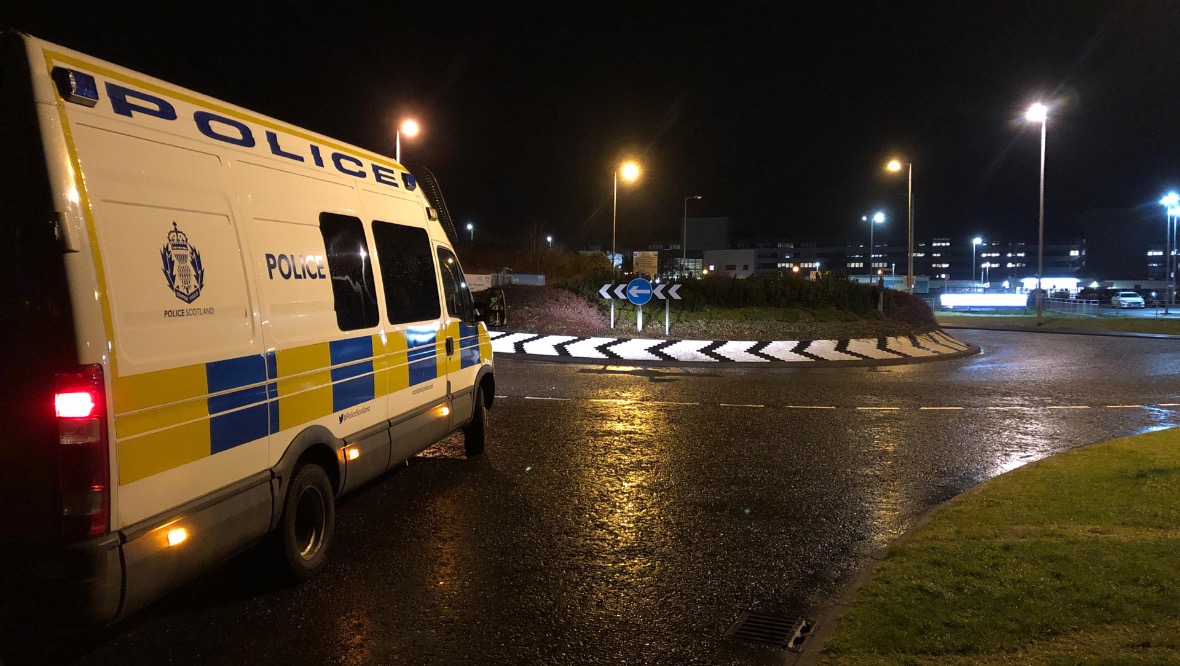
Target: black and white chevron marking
point(926, 345)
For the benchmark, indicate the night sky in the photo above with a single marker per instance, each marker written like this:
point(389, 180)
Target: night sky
point(781, 115)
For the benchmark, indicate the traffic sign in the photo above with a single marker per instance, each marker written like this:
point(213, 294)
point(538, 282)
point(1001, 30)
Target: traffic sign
point(634, 292)
point(672, 289)
point(639, 291)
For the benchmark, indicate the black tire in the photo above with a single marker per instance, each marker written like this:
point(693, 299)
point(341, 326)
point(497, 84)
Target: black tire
point(475, 434)
point(308, 525)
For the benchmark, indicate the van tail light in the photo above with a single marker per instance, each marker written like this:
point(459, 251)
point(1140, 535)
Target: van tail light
point(83, 459)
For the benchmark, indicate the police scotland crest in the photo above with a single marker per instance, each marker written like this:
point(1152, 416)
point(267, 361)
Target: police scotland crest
point(182, 266)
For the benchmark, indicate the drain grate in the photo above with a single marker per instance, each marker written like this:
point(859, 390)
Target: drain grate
point(781, 632)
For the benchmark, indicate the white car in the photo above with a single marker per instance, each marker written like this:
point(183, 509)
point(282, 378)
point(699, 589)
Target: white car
point(1127, 299)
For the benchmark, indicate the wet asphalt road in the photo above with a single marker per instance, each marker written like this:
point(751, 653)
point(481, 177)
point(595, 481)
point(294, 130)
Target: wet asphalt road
point(626, 516)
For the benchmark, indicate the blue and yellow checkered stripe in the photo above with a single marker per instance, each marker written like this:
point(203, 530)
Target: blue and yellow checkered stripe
point(172, 417)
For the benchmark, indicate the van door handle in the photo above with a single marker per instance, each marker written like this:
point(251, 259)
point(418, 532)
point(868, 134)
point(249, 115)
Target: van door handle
point(450, 346)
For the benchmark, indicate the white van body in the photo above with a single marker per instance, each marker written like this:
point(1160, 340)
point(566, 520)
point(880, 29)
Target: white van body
point(247, 298)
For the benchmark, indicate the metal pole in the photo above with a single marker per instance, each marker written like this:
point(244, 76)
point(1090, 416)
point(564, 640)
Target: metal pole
point(1167, 254)
point(397, 153)
point(972, 264)
point(909, 280)
point(613, 219)
point(872, 223)
point(667, 308)
point(1041, 226)
point(683, 240)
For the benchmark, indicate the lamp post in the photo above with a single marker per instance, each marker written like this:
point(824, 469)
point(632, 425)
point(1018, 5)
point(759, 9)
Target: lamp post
point(550, 240)
point(471, 231)
point(895, 165)
point(410, 127)
point(1039, 113)
point(1171, 203)
point(684, 233)
point(974, 241)
point(877, 218)
point(630, 172)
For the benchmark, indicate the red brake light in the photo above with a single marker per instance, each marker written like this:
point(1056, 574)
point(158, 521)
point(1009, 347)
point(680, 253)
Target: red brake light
point(75, 405)
point(83, 459)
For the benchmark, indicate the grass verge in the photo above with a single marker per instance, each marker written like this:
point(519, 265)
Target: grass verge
point(1123, 324)
point(1069, 560)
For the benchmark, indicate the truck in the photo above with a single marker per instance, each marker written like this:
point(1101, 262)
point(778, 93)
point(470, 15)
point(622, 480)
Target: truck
point(216, 323)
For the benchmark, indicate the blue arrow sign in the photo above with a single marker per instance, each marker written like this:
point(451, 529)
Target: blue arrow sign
point(638, 291)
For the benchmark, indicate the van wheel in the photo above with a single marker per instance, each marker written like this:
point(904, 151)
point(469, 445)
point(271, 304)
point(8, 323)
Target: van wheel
point(475, 435)
point(309, 522)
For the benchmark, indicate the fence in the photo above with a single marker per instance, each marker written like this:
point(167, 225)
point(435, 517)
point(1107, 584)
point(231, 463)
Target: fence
point(1072, 306)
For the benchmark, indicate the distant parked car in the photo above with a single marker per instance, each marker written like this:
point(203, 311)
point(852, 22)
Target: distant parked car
point(1127, 299)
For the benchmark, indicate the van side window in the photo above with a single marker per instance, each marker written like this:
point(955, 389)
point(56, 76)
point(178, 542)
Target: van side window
point(351, 271)
point(455, 291)
point(407, 270)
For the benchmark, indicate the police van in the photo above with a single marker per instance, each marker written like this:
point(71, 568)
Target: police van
point(215, 324)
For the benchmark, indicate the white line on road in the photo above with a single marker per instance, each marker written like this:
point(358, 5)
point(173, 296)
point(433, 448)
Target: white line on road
point(941, 408)
point(880, 409)
point(1124, 406)
point(530, 397)
point(1068, 407)
point(726, 404)
point(808, 407)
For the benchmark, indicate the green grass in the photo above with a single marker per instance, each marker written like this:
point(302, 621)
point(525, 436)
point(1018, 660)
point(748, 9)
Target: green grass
point(1069, 560)
point(1061, 323)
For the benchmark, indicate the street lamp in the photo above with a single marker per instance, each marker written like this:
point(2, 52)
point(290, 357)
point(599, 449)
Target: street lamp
point(1039, 113)
point(410, 128)
point(1171, 204)
point(877, 218)
point(684, 233)
point(974, 241)
point(895, 165)
point(471, 230)
point(550, 239)
point(629, 170)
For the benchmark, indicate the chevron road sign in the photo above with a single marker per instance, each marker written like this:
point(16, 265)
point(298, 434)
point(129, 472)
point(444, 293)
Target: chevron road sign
point(672, 289)
point(624, 291)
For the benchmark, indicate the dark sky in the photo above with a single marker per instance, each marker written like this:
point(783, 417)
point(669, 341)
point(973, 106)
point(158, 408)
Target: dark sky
point(780, 114)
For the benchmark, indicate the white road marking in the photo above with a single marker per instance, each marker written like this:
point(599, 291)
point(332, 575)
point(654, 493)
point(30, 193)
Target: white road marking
point(531, 397)
point(808, 407)
point(1124, 406)
point(941, 408)
point(880, 409)
point(726, 404)
point(1068, 407)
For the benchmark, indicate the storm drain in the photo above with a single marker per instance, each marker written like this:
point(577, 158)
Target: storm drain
point(781, 632)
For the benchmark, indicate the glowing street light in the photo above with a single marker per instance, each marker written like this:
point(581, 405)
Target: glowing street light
point(974, 242)
point(895, 166)
point(684, 232)
point(878, 218)
point(471, 230)
point(1039, 113)
point(410, 128)
point(1171, 204)
point(630, 172)
point(550, 240)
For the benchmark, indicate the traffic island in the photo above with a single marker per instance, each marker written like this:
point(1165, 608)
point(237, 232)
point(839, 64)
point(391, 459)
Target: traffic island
point(1068, 560)
point(858, 351)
